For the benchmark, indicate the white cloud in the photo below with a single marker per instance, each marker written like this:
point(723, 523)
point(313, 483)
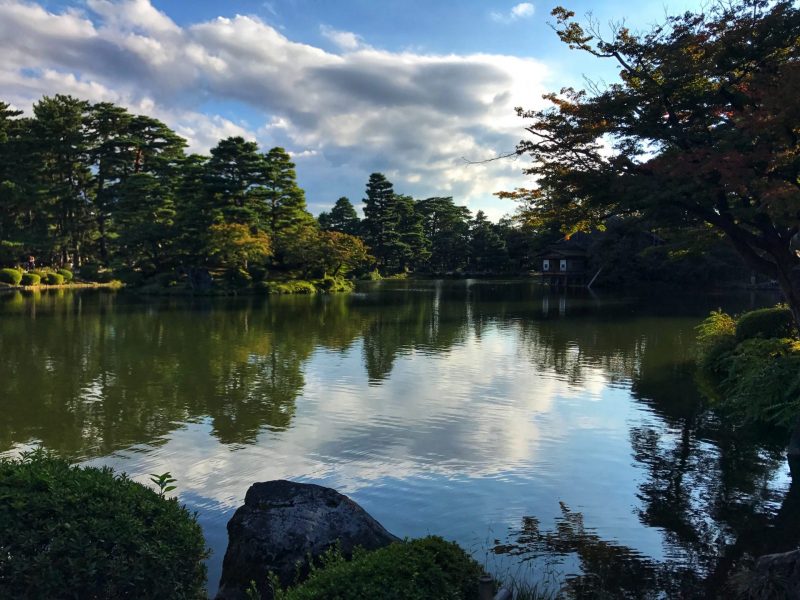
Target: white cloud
point(413, 114)
point(523, 10)
point(346, 40)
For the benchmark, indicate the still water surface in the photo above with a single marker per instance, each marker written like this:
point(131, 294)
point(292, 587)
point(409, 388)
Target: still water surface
point(557, 437)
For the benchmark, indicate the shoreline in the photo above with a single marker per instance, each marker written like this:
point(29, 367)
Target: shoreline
point(111, 285)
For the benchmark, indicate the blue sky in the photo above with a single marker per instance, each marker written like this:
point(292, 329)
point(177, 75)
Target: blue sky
point(410, 88)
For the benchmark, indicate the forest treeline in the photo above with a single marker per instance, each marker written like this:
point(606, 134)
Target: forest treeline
point(95, 187)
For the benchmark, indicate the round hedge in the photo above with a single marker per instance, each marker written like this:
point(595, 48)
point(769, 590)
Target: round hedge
point(11, 276)
point(31, 279)
point(66, 274)
point(70, 532)
point(416, 570)
point(55, 279)
point(766, 323)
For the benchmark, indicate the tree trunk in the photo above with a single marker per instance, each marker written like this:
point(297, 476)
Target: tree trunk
point(789, 280)
point(793, 451)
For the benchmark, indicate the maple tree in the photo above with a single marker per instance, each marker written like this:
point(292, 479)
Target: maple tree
point(702, 127)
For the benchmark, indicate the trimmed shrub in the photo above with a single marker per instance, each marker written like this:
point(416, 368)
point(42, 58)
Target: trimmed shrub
point(30, 279)
point(70, 532)
point(289, 287)
point(416, 570)
point(66, 274)
point(11, 276)
point(54, 279)
point(766, 323)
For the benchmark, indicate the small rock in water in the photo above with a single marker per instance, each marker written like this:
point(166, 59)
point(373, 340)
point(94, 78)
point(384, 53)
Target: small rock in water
point(283, 522)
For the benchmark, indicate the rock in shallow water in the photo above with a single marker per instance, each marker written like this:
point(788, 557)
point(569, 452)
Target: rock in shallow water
point(281, 523)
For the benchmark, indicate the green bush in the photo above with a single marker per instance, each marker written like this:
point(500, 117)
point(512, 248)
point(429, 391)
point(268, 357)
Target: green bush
point(66, 274)
point(11, 276)
point(289, 287)
point(54, 279)
point(335, 284)
point(762, 382)
point(69, 532)
point(416, 570)
point(765, 323)
point(715, 339)
point(30, 279)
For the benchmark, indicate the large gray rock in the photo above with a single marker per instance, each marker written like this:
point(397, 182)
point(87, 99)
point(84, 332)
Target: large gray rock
point(775, 577)
point(283, 522)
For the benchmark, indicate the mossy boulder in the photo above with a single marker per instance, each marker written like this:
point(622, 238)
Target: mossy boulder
point(281, 525)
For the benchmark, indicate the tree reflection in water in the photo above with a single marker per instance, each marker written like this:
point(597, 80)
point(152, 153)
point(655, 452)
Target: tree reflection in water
point(706, 487)
point(99, 373)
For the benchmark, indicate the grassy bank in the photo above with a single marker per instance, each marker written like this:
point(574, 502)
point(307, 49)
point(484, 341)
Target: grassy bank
point(223, 287)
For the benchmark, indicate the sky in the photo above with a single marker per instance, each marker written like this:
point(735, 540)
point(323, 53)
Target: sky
point(420, 91)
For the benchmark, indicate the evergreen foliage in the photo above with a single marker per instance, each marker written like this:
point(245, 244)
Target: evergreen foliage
point(10, 276)
point(754, 366)
point(70, 532)
point(414, 570)
point(30, 279)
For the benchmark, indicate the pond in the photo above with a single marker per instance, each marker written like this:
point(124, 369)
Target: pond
point(558, 437)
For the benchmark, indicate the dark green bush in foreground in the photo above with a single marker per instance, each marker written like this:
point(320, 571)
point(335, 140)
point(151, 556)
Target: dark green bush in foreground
point(11, 276)
point(54, 279)
point(765, 323)
point(416, 570)
point(30, 279)
point(750, 367)
point(69, 532)
point(66, 274)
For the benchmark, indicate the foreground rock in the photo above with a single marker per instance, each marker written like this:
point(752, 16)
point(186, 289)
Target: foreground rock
point(280, 524)
point(775, 577)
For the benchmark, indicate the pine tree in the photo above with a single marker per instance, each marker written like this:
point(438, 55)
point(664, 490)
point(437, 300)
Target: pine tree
point(233, 176)
point(343, 218)
point(64, 194)
point(381, 221)
point(446, 227)
point(285, 200)
point(488, 252)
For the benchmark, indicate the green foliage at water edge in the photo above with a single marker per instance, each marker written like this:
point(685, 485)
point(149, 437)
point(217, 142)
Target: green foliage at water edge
point(54, 279)
point(10, 276)
point(750, 368)
point(30, 279)
point(66, 274)
point(416, 570)
point(71, 532)
point(775, 322)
